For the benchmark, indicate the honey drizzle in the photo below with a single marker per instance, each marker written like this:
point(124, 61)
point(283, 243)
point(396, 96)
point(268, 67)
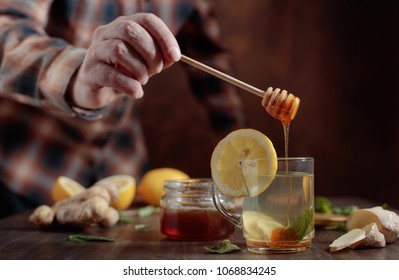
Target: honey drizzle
point(286, 128)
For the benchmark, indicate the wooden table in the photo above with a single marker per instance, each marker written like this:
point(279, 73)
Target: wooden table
point(20, 240)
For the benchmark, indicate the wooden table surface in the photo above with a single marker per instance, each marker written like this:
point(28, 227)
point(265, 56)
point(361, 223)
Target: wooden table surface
point(20, 240)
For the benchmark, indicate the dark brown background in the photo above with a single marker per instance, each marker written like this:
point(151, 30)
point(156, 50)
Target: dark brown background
point(339, 56)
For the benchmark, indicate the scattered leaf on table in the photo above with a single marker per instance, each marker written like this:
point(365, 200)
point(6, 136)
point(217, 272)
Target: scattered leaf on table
point(322, 205)
point(325, 206)
point(147, 211)
point(141, 227)
point(123, 220)
point(89, 238)
point(344, 210)
point(223, 247)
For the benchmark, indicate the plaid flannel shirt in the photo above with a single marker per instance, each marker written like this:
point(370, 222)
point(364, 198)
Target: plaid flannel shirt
point(42, 43)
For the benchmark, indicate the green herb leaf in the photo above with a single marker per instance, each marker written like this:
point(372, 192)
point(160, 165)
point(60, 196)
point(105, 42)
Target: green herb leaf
point(223, 247)
point(148, 211)
point(89, 238)
point(123, 220)
point(303, 225)
point(322, 205)
point(341, 227)
point(344, 210)
point(141, 227)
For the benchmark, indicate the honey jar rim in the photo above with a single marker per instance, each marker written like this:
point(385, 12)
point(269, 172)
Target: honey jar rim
point(190, 182)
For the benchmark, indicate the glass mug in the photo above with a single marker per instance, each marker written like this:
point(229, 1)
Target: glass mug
point(281, 218)
point(188, 212)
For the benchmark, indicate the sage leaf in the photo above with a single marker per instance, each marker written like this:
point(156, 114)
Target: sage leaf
point(147, 211)
point(223, 247)
point(141, 227)
point(344, 210)
point(123, 220)
point(89, 238)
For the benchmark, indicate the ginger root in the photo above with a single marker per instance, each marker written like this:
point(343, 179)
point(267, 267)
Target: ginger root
point(369, 227)
point(84, 209)
point(42, 215)
point(83, 213)
point(386, 220)
point(110, 218)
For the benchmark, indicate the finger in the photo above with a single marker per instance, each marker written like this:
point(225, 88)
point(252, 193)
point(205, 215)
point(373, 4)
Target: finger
point(117, 53)
point(139, 40)
point(108, 76)
point(162, 35)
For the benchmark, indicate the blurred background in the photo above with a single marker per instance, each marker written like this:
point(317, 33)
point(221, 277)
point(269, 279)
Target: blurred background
point(339, 56)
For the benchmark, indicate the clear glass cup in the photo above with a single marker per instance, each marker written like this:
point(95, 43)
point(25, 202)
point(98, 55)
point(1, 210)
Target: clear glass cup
point(281, 218)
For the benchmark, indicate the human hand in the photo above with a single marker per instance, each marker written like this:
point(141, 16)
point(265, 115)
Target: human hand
point(122, 56)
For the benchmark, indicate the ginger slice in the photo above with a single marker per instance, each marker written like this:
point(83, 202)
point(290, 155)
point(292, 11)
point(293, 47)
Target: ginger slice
point(349, 239)
point(387, 221)
point(368, 236)
point(374, 238)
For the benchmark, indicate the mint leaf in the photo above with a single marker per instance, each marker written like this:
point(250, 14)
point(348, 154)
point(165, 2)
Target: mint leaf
point(223, 247)
point(123, 220)
point(89, 238)
point(344, 210)
point(141, 227)
point(303, 225)
point(322, 205)
point(147, 211)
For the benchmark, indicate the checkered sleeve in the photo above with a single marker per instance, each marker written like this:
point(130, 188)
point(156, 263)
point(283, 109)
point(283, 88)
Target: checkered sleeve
point(34, 66)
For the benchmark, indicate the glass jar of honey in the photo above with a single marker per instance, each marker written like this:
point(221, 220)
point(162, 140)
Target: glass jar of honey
point(188, 211)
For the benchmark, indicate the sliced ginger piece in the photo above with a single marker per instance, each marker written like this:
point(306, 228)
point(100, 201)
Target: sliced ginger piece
point(250, 221)
point(374, 238)
point(368, 236)
point(258, 226)
point(349, 239)
point(369, 227)
point(266, 228)
point(387, 221)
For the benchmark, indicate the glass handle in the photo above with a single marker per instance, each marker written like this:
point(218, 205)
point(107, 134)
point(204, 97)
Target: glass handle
point(231, 217)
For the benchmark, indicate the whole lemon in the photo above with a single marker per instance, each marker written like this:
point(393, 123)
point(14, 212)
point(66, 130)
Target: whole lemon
point(151, 185)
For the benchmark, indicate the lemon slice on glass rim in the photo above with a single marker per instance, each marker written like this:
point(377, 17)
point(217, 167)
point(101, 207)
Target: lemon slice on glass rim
point(227, 160)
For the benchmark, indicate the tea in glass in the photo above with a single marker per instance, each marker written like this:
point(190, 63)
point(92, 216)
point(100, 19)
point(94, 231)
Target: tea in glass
point(281, 218)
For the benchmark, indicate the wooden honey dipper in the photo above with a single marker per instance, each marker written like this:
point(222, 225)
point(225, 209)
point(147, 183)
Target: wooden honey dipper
point(279, 104)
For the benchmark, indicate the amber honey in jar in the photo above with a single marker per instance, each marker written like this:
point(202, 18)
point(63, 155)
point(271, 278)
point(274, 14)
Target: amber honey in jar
point(188, 211)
